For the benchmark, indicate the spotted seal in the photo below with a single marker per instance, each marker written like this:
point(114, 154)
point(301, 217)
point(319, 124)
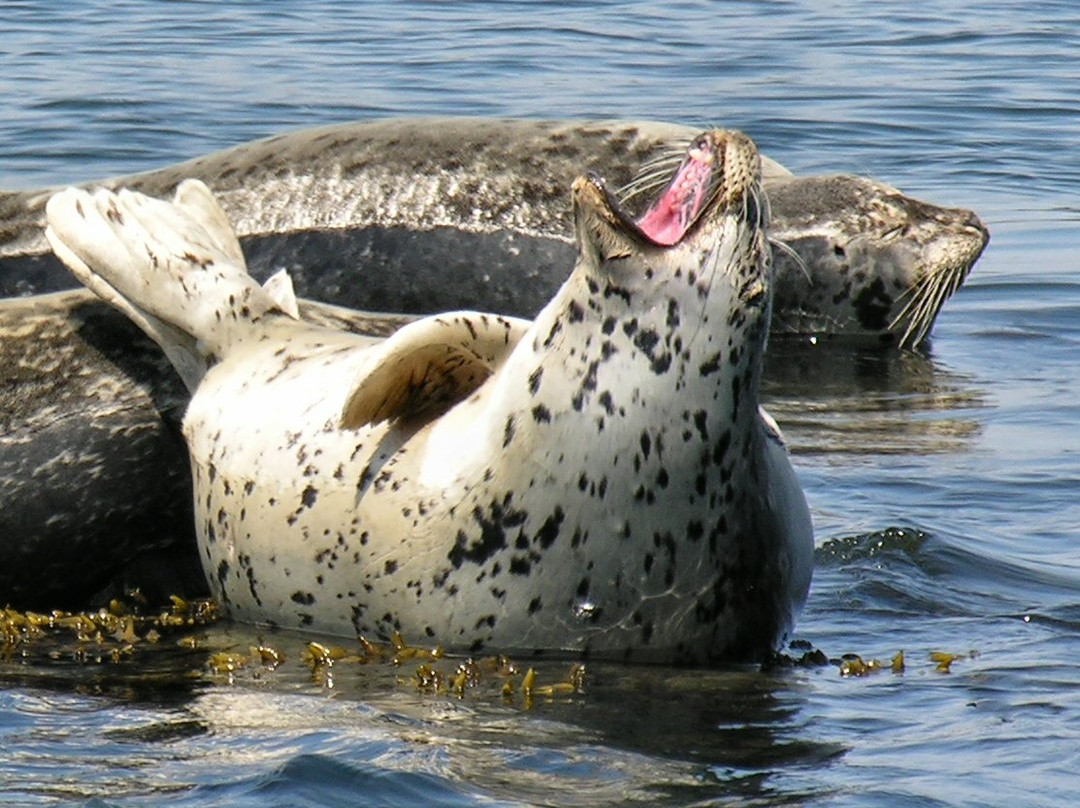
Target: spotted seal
point(428, 214)
point(598, 481)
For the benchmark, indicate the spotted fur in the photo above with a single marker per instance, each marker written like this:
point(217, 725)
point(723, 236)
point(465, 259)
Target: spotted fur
point(599, 481)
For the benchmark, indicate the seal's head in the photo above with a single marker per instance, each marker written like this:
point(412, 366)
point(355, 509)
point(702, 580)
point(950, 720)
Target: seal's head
point(699, 250)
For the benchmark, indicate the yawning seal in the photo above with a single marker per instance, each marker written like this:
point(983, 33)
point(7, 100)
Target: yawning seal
point(598, 481)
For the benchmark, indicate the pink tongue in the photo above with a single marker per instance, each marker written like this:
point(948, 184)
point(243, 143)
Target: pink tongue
point(667, 219)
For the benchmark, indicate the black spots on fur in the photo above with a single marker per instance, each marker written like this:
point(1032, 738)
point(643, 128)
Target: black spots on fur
point(588, 384)
point(583, 588)
point(646, 444)
point(245, 563)
point(606, 402)
point(493, 526)
point(647, 564)
point(872, 306)
point(594, 488)
point(535, 605)
point(520, 565)
point(556, 327)
point(549, 531)
point(608, 326)
point(390, 567)
point(574, 312)
point(508, 431)
point(630, 327)
point(249, 486)
point(701, 424)
point(646, 341)
point(534, 380)
point(541, 414)
point(303, 598)
point(710, 365)
point(736, 393)
point(720, 449)
point(695, 530)
point(611, 290)
point(486, 620)
point(438, 580)
point(709, 610)
point(476, 551)
point(662, 478)
point(672, 314)
point(308, 497)
point(223, 574)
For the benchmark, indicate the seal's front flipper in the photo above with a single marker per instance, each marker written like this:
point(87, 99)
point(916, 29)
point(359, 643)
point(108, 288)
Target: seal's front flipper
point(174, 268)
point(430, 365)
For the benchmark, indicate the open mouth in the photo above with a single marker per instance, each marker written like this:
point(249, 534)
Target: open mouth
point(679, 206)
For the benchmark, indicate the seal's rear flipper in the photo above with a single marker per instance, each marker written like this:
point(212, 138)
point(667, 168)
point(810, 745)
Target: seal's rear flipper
point(175, 269)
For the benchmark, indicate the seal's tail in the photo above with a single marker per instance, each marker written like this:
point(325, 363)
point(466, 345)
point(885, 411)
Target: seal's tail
point(175, 268)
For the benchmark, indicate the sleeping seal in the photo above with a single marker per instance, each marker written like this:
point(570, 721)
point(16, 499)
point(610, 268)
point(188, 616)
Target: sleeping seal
point(423, 215)
point(599, 481)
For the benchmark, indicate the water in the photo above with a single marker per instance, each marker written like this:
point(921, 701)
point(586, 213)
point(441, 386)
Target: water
point(943, 487)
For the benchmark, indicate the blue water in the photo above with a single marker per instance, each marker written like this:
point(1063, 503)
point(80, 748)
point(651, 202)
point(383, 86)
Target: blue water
point(945, 488)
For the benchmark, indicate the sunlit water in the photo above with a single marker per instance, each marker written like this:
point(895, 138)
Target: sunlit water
point(945, 488)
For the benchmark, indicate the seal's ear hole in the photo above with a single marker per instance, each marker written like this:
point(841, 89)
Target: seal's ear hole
point(416, 386)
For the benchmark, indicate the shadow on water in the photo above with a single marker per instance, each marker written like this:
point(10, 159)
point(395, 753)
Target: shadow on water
point(839, 398)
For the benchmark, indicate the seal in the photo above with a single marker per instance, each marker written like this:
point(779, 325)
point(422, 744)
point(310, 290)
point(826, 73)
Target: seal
point(94, 475)
point(599, 481)
point(428, 214)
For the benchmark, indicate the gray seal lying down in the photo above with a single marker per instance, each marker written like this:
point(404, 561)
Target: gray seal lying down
point(428, 214)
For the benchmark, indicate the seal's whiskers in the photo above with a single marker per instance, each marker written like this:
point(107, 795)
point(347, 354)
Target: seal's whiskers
point(653, 173)
point(924, 301)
